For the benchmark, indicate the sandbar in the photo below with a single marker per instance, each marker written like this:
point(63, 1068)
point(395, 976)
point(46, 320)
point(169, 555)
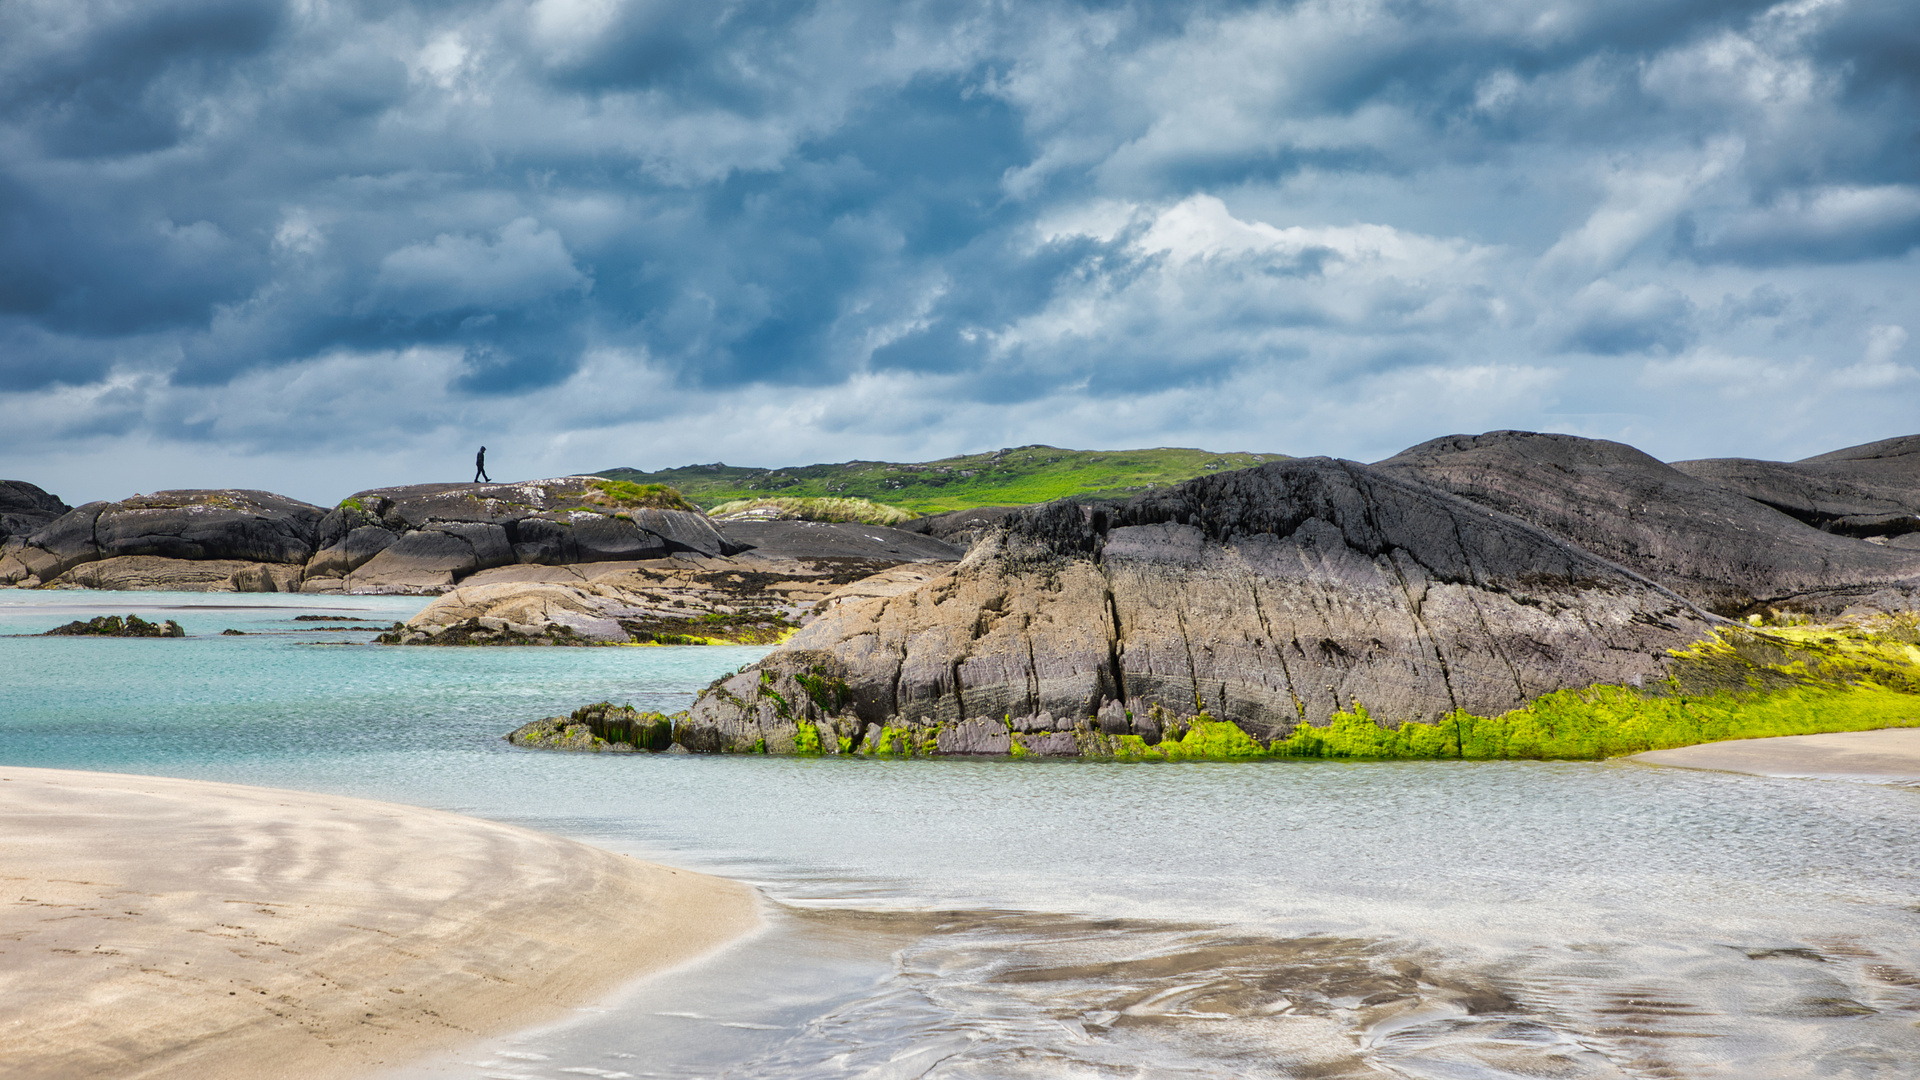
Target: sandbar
point(1886, 755)
point(154, 927)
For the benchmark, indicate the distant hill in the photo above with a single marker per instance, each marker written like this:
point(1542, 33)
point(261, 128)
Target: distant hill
point(1023, 474)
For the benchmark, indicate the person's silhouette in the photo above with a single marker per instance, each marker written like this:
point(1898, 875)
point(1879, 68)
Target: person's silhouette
point(480, 467)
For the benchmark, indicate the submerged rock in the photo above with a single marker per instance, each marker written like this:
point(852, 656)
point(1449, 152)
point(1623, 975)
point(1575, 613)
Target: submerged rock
point(1269, 597)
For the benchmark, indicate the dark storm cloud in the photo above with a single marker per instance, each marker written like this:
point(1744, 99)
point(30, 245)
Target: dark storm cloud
point(210, 207)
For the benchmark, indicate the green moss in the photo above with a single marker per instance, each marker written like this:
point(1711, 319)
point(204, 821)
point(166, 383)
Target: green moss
point(1210, 740)
point(806, 741)
point(901, 742)
point(1738, 684)
point(351, 503)
point(830, 694)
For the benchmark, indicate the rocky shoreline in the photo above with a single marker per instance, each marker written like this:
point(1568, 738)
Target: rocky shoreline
point(567, 561)
point(1469, 576)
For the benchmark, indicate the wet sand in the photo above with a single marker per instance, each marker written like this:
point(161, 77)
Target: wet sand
point(1888, 755)
point(154, 927)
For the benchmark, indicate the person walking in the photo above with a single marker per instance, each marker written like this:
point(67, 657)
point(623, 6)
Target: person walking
point(480, 467)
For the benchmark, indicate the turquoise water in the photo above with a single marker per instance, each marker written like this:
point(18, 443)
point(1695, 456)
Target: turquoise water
point(984, 918)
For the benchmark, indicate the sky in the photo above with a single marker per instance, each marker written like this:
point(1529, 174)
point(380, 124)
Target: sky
point(317, 246)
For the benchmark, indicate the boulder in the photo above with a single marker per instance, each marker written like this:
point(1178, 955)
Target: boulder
point(433, 558)
point(231, 525)
point(25, 508)
point(1270, 597)
point(1714, 545)
point(530, 611)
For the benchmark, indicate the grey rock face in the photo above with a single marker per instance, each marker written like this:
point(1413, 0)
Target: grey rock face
point(256, 526)
point(1271, 597)
point(980, 735)
point(26, 508)
point(961, 527)
point(1866, 492)
point(1713, 544)
point(191, 525)
point(451, 550)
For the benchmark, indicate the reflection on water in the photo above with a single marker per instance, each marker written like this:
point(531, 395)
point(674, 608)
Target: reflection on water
point(985, 919)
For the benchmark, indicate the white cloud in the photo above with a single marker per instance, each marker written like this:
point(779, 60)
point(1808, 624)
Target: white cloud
point(1639, 201)
point(1194, 284)
point(1877, 369)
point(521, 263)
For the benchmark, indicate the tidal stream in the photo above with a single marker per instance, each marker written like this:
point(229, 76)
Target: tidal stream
point(973, 918)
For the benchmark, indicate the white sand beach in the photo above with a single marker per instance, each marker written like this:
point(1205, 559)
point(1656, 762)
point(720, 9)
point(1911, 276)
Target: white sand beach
point(169, 928)
point(1887, 755)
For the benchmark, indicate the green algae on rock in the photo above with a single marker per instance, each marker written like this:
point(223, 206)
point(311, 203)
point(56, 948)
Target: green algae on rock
point(1739, 683)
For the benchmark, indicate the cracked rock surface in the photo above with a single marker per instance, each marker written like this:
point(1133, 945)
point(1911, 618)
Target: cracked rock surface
point(1270, 597)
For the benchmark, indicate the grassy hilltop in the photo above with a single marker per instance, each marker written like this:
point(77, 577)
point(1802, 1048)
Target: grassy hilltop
point(1024, 474)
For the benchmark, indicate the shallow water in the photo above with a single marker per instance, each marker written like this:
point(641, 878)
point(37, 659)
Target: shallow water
point(983, 918)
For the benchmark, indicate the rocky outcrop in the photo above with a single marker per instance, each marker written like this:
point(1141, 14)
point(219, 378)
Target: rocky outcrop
point(25, 508)
point(515, 613)
point(1269, 597)
point(689, 600)
point(1693, 533)
point(598, 729)
point(431, 538)
point(1869, 492)
point(425, 538)
point(191, 526)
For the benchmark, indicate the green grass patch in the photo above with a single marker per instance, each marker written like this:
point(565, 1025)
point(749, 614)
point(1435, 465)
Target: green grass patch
point(1019, 476)
point(638, 496)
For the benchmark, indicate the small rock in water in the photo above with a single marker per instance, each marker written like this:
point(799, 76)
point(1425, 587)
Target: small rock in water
point(231, 632)
point(114, 626)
